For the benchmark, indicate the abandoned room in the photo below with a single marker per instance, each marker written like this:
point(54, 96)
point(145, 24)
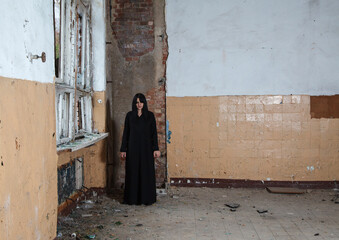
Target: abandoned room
point(245, 95)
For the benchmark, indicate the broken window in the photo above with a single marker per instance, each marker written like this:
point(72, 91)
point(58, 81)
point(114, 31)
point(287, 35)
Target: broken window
point(73, 98)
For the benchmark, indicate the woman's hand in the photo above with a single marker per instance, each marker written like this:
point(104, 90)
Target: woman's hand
point(156, 154)
point(123, 155)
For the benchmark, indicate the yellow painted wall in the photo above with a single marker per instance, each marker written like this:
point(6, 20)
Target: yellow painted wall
point(28, 160)
point(251, 137)
point(94, 156)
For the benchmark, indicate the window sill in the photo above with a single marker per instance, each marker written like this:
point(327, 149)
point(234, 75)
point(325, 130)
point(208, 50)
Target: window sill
point(88, 140)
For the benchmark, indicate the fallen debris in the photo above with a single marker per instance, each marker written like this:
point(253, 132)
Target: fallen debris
point(335, 199)
point(262, 211)
point(232, 205)
point(161, 192)
point(285, 190)
point(87, 215)
point(90, 236)
point(316, 234)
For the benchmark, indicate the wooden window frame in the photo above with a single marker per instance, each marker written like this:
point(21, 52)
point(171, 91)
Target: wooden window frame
point(75, 79)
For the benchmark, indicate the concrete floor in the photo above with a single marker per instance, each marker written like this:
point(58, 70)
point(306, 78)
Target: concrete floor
point(200, 213)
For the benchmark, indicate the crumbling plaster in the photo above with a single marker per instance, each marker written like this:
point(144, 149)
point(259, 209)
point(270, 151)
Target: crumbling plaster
point(28, 160)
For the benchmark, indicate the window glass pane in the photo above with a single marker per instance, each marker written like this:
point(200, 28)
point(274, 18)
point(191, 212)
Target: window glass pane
point(84, 113)
point(63, 109)
point(57, 31)
point(65, 115)
point(80, 110)
point(80, 52)
point(88, 56)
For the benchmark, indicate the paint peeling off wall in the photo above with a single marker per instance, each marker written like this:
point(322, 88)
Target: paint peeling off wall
point(28, 177)
point(269, 138)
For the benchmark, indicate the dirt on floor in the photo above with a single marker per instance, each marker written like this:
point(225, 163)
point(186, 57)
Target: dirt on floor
point(206, 213)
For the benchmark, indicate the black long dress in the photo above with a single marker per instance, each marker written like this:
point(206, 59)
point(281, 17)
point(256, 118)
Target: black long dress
point(139, 141)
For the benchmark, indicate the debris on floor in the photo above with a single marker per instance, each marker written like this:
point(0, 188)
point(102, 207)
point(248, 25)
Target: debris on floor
point(100, 227)
point(161, 192)
point(90, 236)
point(232, 205)
point(335, 199)
point(203, 212)
point(261, 211)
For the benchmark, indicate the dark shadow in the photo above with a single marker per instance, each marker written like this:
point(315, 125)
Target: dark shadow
point(109, 158)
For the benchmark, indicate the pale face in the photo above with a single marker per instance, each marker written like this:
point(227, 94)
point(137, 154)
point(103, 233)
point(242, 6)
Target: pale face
point(139, 104)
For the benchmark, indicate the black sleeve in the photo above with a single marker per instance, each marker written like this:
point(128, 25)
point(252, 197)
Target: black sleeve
point(125, 135)
point(154, 133)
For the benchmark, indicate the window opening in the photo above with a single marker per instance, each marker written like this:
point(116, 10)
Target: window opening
point(57, 33)
point(73, 76)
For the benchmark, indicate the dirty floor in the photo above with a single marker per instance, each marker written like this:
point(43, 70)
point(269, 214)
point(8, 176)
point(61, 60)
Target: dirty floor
point(201, 213)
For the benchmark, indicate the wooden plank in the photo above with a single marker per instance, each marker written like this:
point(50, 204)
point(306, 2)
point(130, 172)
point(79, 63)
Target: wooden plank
point(285, 190)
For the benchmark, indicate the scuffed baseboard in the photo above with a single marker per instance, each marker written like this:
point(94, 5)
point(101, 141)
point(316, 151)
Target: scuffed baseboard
point(244, 183)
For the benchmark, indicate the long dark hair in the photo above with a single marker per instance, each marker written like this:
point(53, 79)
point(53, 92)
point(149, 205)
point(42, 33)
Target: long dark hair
point(142, 99)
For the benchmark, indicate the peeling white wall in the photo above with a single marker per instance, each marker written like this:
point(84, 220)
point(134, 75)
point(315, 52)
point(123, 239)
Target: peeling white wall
point(232, 47)
point(26, 27)
point(99, 45)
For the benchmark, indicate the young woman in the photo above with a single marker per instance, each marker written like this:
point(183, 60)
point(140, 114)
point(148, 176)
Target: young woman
point(140, 146)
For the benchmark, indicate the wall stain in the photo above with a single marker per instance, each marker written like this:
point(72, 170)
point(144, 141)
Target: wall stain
point(17, 144)
point(168, 132)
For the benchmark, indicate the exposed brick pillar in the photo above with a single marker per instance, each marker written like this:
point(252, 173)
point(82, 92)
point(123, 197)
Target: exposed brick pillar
point(136, 62)
point(156, 98)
